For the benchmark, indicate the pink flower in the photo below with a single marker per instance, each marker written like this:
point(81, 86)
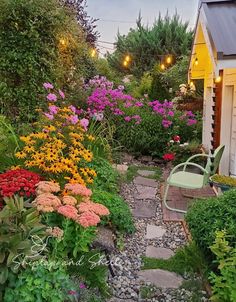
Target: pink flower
point(48, 86)
point(169, 156)
point(52, 97)
point(176, 138)
point(69, 212)
point(53, 109)
point(62, 95)
point(166, 123)
point(72, 292)
point(84, 123)
point(72, 108)
point(82, 285)
point(47, 202)
point(47, 187)
point(77, 189)
point(90, 206)
point(127, 118)
point(191, 122)
point(73, 119)
point(138, 104)
point(49, 116)
point(69, 200)
point(170, 113)
point(55, 232)
point(88, 219)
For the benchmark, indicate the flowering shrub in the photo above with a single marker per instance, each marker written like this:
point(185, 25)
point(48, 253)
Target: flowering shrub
point(57, 149)
point(168, 156)
point(20, 181)
point(106, 101)
point(74, 203)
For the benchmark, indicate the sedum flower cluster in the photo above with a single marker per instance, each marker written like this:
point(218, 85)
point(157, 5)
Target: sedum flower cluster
point(73, 203)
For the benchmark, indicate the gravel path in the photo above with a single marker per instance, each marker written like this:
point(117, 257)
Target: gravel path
point(127, 263)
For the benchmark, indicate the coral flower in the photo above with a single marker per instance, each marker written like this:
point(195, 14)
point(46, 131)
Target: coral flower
point(62, 94)
point(48, 86)
point(88, 219)
point(47, 187)
point(77, 189)
point(69, 212)
point(69, 200)
point(97, 208)
point(47, 202)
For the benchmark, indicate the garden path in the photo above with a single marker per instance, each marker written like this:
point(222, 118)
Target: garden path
point(155, 238)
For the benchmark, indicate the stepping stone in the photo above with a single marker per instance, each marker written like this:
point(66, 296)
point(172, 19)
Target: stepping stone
point(158, 252)
point(146, 173)
point(121, 168)
point(161, 278)
point(154, 231)
point(145, 192)
point(145, 209)
point(139, 180)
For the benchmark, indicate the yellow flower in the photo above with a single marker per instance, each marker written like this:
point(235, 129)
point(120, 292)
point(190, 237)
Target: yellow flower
point(50, 128)
point(39, 135)
point(27, 140)
point(20, 154)
point(77, 136)
point(28, 149)
point(15, 167)
point(90, 138)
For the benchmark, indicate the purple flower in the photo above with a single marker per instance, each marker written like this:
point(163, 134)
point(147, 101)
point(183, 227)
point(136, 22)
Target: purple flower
point(128, 104)
point(72, 108)
point(48, 86)
point(190, 114)
point(62, 95)
point(138, 104)
point(166, 123)
point(191, 122)
point(84, 123)
point(127, 118)
point(171, 113)
point(82, 286)
point(52, 97)
point(53, 109)
point(49, 116)
point(73, 119)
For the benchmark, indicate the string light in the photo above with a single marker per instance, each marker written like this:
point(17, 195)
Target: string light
point(93, 53)
point(168, 60)
point(196, 62)
point(163, 66)
point(125, 63)
point(63, 42)
point(218, 79)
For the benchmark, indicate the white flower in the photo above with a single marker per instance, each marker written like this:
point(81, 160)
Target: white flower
point(171, 141)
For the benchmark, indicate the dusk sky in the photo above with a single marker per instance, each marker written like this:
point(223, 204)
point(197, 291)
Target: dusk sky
point(122, 14)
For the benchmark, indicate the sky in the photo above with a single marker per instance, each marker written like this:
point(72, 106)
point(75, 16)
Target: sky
point(121, 15)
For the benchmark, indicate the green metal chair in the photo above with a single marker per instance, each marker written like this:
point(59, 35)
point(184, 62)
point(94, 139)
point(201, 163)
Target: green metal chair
point(190, 180)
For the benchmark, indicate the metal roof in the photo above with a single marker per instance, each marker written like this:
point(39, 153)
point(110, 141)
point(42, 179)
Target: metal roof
point(221, 25)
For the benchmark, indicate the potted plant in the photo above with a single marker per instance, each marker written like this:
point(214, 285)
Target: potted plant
point(223, 182)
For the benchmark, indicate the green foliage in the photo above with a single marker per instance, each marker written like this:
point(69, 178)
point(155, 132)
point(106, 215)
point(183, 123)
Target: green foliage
point(159, 90)
point(205, 217)
point(104, 69)
point(120, 214)
point(107, 176)
point(20, 230)
point(9, 143)
point(138, 88)
point(41, 41)
point(168, 35)
point(40, 283)
point(75, 240)
point(187, 259)
point(93, 269)
point(224, 285)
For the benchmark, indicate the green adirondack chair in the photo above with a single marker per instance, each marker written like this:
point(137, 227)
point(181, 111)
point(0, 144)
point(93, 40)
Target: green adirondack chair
point(190, 180)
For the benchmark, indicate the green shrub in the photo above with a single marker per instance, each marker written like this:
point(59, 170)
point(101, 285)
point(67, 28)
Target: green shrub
point(224, 282)
point(40, 284)
point(120, 214)
point(41, 42)
point(207, 216)
point(107, 176)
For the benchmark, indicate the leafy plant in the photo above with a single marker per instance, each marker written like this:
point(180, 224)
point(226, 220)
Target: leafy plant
point(120, 215)
point(205, 217)
point(20, 234)
point(225, 180)
point(186, 259)
point(40, 283)
point(224, 285)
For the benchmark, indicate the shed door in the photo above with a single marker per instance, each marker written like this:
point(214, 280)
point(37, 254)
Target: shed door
point(233, 133)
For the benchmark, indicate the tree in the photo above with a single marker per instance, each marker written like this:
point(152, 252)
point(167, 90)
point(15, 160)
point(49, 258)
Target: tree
point(85, 21)
point(148, 45)
point(40, 41)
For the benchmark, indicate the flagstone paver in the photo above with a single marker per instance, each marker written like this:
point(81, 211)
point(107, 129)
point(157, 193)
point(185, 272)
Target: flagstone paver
point(158, 252)
point(146, 173)
point(139, 180)
point(154, 231)
point(161, 278)
point(145, 209)
point(144, 192)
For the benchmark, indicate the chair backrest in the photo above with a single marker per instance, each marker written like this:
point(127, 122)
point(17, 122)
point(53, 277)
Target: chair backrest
point(213, 162)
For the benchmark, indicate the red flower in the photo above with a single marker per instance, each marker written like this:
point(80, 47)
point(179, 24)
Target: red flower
point(169, 156)
point(20, 181)
point(176, 138)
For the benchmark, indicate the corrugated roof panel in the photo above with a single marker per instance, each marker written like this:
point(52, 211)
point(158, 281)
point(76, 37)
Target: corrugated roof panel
point(221, 23)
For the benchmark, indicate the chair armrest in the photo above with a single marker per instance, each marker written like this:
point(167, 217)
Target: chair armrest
point(188, 164)
point(194, 156)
